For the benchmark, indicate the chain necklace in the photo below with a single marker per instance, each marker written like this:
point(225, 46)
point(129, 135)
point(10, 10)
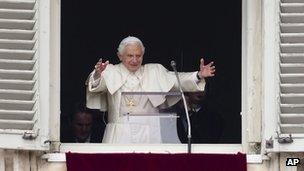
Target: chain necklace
point(130, 101)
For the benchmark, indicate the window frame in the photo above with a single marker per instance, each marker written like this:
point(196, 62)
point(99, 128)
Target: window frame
point(160, 148)
point(271, 91)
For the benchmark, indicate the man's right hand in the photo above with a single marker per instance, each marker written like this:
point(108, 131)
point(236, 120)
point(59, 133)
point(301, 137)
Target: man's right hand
point(99, 68)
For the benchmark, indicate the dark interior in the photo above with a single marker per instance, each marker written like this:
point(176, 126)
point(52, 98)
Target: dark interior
point(184, 31)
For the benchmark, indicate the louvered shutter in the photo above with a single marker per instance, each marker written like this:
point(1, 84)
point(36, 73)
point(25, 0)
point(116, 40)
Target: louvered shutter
point(19, 102)
point(291, 70)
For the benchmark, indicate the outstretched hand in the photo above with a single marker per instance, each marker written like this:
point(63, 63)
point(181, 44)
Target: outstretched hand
point(206, 70)
point(100, 67)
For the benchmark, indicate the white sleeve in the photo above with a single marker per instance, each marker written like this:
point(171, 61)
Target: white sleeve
point(96, 82)
point(194, 77)
point(190, 82)
point(96, 85)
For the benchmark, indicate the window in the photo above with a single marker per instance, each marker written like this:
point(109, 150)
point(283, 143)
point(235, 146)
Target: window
point(184, 32)
point(47, 44)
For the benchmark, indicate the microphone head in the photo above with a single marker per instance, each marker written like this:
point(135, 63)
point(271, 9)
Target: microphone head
point(173, 63)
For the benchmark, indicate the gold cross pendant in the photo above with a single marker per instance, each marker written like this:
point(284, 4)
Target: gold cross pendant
point(130, 103)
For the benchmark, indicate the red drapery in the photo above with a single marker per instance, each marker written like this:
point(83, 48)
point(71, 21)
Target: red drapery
point(155, 162)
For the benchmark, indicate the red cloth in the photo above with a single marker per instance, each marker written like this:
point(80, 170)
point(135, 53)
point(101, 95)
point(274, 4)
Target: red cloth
point(155, 162)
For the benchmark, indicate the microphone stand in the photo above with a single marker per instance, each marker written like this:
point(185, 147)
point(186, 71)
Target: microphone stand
point(173, 65)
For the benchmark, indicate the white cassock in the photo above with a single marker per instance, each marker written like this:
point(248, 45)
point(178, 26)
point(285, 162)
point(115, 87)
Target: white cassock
point(105, 94)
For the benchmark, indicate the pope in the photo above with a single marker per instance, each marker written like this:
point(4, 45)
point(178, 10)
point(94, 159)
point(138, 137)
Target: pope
point(107, 82)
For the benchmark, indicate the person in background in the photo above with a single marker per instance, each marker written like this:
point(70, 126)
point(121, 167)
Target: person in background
point(206, 120)
point(83, 127)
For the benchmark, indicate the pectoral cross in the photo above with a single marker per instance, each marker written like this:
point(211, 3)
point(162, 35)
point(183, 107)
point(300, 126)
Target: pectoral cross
point(130, 103)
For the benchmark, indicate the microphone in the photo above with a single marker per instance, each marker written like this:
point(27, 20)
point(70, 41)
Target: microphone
point(173, 65)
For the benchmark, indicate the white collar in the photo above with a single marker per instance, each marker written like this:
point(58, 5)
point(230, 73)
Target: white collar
point(125, 72)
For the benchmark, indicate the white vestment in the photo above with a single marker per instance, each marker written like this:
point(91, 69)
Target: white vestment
point(105, 94)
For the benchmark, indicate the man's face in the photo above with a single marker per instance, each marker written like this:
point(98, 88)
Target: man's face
point(82, 125)
point(195, 97)
point(132, 57)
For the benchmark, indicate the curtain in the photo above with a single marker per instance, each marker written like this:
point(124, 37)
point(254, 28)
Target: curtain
point(155, 162)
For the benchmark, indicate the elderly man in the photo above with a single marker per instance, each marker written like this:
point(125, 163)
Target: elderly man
point(107, 82)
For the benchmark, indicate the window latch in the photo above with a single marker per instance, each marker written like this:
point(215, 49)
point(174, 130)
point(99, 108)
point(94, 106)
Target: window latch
point(30, 135)
point(285, 140)
point(54, 146)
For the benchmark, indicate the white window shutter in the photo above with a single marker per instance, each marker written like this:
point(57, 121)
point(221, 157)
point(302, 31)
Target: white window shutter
point(291, 119)
point(19, 100)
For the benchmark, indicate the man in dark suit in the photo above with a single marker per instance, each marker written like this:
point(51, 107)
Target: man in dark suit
point(206, 120)
point(83, 127)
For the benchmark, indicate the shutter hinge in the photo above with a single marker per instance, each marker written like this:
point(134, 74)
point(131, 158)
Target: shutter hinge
point(269, 143)
point(54, 146)
point(285, 140)
point(30, 135)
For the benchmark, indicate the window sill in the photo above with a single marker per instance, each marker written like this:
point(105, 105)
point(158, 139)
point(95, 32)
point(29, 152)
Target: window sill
point(60, 157)
point(153, 148)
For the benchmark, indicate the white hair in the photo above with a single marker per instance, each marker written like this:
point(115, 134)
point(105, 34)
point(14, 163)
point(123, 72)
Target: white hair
point(129, 40)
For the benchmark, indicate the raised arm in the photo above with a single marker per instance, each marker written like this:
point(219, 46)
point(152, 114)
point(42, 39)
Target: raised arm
point(195, 81)
point(96, 81)
point(206, 70)
point(99, 68)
